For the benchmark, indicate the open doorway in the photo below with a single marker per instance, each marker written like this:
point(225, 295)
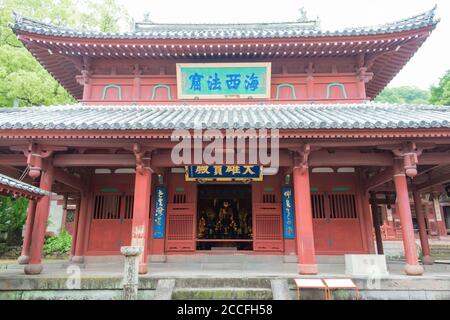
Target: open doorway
point(224, 217)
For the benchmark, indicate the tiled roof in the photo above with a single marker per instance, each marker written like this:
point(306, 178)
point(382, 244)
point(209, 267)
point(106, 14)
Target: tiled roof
point(19, 185)
point(227, 31)
point(312, 116)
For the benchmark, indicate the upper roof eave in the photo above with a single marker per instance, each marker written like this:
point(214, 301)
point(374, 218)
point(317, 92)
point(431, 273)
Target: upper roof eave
point(242, 31)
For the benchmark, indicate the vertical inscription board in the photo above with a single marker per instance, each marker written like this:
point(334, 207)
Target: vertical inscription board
point(160, 212)
point(223, 80)
point(288, 213)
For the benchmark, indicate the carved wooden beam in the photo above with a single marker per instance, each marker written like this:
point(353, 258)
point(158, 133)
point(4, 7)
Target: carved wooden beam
point(35, 154)
point(409, 153)
point(301, 157)
point(143, 159)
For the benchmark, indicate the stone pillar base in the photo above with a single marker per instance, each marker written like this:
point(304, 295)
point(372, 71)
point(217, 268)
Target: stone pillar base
point(413, 269)
point(427, 260)
point(307, 269)
point(77, 259)
point(23, 260)
point(31, 269)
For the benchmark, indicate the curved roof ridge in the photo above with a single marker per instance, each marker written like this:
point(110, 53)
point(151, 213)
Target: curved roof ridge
point(424, 17)
point(237, 104)
point(225, 24)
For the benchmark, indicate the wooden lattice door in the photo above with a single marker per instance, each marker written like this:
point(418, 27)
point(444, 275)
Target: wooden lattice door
point(267, 215)
point(181, 213)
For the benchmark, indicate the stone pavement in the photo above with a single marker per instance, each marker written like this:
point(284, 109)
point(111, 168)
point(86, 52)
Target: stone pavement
point(214, 277)
point(215, 266)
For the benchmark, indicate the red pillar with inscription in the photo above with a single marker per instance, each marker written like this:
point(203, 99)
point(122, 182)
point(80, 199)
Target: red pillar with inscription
point(31, 212)
point(426, 252)
point(412, 266)
point(303, 221)
point(141, 213)
point(34, 265)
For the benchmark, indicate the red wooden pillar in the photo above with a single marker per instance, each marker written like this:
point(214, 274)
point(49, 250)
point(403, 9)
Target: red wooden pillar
point(141, 212)
point(412, 266)
point(438, 212)
point(31, 212)
point(76, 219)
point(376, 223)
point(303, 221)
point(426, 252)
point(64, 215)
point(34, 265)
point(81, 228)
point(367, 212)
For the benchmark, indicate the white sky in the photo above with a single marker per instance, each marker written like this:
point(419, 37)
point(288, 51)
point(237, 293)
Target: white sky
point(423, 70)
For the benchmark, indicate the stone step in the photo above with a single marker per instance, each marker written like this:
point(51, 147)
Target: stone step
point(262, 283)
point(440, 250)
point(222, 294)
point(224, 258)
point(440, 246)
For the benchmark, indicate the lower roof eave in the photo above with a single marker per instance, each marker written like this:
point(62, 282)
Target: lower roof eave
point(282, 134)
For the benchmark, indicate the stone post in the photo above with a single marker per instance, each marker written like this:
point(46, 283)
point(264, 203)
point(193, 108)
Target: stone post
point(131, 272)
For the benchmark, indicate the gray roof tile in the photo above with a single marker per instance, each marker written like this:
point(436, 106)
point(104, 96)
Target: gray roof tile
point(227, 31)
point(242, 116)
point(16, 184)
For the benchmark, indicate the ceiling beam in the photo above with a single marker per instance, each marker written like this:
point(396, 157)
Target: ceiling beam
point(350, 158)
point(94, 160)
point(15, 160)
point(68, 179)
point(434, 158)
point(434, 182)
point(379, 179)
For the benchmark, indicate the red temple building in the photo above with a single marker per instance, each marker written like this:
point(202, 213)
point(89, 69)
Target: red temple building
point(341, 156)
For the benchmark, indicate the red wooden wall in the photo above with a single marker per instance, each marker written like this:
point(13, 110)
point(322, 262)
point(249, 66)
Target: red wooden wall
point(111, 213)
point(336, 214)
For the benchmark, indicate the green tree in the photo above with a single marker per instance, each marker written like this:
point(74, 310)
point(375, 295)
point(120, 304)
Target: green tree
point(24, 81)
point(441, 94)
point(404, 95)
point(22, 78)
point(13, 213)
